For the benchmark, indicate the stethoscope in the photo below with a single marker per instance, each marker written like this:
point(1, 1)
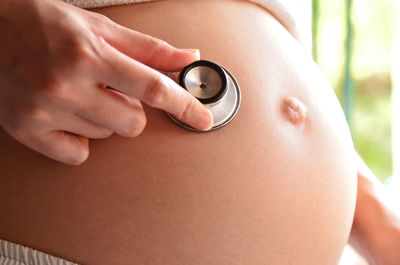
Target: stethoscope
point(215, 87)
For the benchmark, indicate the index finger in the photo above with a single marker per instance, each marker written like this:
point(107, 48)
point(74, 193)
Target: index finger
point(153, 88)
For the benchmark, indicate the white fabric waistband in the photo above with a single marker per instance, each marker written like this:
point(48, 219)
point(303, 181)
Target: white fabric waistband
point(14, 254)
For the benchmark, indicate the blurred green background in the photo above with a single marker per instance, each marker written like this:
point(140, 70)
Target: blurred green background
point(352, 45)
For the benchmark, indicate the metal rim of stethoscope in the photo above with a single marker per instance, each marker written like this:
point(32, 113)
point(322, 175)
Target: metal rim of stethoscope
point(220, 70)
point(229, 85)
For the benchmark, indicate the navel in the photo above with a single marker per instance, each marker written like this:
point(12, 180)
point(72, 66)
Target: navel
point(293, 110)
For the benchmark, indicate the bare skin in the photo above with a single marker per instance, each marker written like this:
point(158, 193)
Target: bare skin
point(54, 77)
point(275, 186)
point(376, 227)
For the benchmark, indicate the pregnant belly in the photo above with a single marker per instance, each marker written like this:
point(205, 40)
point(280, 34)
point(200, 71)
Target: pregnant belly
point(275, 186)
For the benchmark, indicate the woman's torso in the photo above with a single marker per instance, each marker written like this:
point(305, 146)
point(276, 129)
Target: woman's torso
point(265, 189)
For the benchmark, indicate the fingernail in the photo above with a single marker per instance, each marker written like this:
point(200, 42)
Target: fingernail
point(205, 121)
point(195, 52)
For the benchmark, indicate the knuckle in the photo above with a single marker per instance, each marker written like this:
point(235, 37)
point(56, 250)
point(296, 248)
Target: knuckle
point(156, 47)
point(28, 116)
point(189, 107)
point(136, 124)
point(156, 44)
point(83, 51)
point(103, 133)
point(36, 114)
point(80, 156)
point(77, 50)
point(102, 18)
point(54, 91)
point(156, 92)
point(106, 133)
point(132, 130)
point(98, 47)
point(50, 84)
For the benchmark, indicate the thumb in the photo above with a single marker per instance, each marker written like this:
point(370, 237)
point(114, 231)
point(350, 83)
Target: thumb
point(146, 49)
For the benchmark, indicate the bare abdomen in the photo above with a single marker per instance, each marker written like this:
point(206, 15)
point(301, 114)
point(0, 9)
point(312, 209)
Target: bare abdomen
point(275, 186)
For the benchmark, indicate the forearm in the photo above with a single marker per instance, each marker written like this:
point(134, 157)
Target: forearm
point(376, 228)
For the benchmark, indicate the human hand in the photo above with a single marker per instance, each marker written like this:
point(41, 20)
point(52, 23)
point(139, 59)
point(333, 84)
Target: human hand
point(379, 240)
point(376, 227)
point(55, 65)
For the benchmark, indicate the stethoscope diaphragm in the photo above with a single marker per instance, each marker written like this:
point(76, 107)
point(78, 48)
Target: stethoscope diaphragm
point(213, 86)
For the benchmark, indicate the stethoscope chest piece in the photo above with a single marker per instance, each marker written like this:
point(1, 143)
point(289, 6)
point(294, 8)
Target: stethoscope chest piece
point(213, 86)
